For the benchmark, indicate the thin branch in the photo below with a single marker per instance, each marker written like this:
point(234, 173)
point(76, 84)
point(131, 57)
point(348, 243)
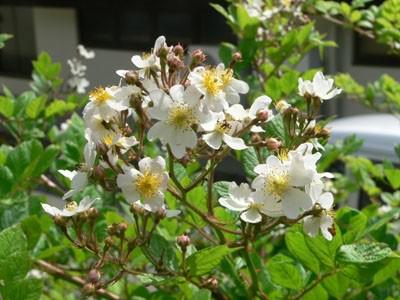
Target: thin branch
point(61, 273)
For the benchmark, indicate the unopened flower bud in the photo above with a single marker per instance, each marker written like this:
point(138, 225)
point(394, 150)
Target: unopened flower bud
point(212, 283)
point(183, 241)
point(282, 106)
point(92, 213)
point(109, 241)
point(256, 138)
point(112, 229)
point(237, 56)
point(273, 144)
point(121, 228)
point(161, 213)
point(162, 52)
point(89, 289)
point(198, 57)
point(60, 221)
point(137, 209)
point(99, 173)
point(93, 276)
point(262, 115)
point(132, 77)
point(179, 51)
point(174, 62)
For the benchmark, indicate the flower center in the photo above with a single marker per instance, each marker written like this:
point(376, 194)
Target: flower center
point(71, 206)
point(100, 95)
point(226, 77)
point(148, 184)
point(211, 82)
point(277, 183)
point(108, 140)
point(222, 127)
point(181, 117)
point(283, 155)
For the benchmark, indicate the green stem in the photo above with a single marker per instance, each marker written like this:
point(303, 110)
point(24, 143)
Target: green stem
point(252, 270)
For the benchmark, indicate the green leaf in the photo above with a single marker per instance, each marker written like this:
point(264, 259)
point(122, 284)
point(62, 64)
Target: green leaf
point(221, 188)
point(386, 272)
point(363, 253)
point(58, 107)
point(296, 244)
point(32, 230)
point(279, 267)
point(202, 294)
point(35, 106)
point(272, 88)
point(163, 251)
point(206, 260)
point(325, 250)
point(352, 223)
point(317, 293)
point(26, 289)
point(336, 285)
point(249, 161)
point(276, 128)
point(6, 106)
point(393, 176)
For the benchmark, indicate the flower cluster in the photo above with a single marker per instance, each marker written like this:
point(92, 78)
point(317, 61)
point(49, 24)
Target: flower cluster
point(194, 111)
point(77, 80)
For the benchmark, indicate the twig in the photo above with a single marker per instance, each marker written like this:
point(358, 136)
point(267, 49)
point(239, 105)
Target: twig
point(60, 273)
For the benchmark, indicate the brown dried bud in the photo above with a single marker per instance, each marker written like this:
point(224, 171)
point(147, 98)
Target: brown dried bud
point(198, 57)
point(324, 133)
point(121, 228)
point(273, 144)
point(161, 213)
point(112, 230)
point(256, 138)
point(179, 51)
point(183, 241)
point(93, 276)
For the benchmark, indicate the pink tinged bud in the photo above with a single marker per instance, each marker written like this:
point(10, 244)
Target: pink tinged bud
point(262, 115)
point(198, 56)
point(183, 241)
point(273, 144)
point(93, 276)
point(237, 56)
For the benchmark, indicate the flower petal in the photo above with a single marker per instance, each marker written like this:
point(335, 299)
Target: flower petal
point(251, 216)
point(295, 202)
point(234, 142)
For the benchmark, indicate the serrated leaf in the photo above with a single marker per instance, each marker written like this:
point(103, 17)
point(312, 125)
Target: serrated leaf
point(35, 106)
point(205, 260)
point(279, 267)
point(221, 188)
point(364, 253)
point(296, 244)
point(249, 161)
point(58, 107)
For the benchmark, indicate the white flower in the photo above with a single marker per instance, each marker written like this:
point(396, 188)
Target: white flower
point(279, 185)
point(220, 130)
point(149, 62)
point(123, 143)
point(230, 85)
point(209, 83)
point(85, 53)
point(79, 179)
point(70, 209)
point(78, 83)
point(320, 87)
point(147, 185)
point(240, 199)
point(76, 67)
point(106, 102)
point(324, 220)
point(177, 113)
point(245, 116)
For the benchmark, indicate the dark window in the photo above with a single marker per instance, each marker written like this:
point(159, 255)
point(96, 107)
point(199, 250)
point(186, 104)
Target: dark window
point(135, 25)
point(16, 56)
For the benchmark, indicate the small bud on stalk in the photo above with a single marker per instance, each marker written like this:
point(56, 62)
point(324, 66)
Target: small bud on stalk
point(89, 289)
point(93, 276)
point(179, 51)
point(132, 77)
point(137, 209)
point(212, 283)
point(273, 144)
point(198, 57)
point(236, 57)
point(183, 241)
point(262, 115)
point(282, 106)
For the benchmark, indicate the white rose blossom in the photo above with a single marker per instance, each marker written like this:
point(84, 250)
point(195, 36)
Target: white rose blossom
point(240, 198)
point(323, 220)
point(176, 114)
point(221, 130)
point(70, 209)
point(148, 62)
point(145, 186)
point(279, 184)
point(320, 87)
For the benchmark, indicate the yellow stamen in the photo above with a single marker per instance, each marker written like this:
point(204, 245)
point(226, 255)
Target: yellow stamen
point(148, 184)
point(283, 154)
point(277, 183)
point(108, 140)
point(99, 95)
point(222, 127)
point(71, 206)
point(226, 77)
point(211, 82)
point(181, 117)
